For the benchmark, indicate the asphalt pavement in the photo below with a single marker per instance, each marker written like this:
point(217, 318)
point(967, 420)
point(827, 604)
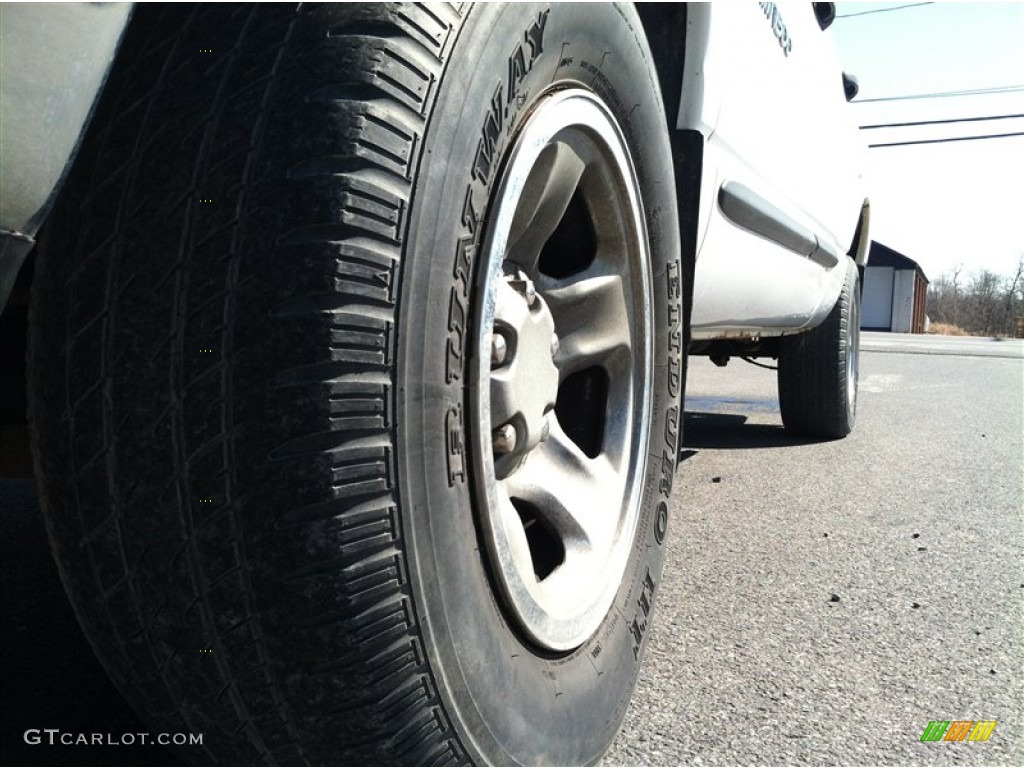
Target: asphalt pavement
point(821, 602)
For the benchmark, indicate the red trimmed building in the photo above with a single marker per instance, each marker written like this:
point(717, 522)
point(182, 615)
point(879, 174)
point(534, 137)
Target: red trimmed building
point(895, 293)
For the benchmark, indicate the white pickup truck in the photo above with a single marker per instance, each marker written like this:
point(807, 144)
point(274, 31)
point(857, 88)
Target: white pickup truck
point(358, 343)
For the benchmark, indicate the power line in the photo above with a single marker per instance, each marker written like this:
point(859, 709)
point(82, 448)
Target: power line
point(882, 10)
point(944, 94)
point(944, 141)
point(942, 122)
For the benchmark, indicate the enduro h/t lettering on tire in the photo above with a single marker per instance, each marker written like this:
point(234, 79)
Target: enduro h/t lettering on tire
point(274, 420)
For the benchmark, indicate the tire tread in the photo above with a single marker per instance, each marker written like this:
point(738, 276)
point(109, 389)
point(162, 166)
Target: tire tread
point(158, 479)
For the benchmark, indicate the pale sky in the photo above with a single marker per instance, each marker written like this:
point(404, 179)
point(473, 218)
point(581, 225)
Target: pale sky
point(951, 203)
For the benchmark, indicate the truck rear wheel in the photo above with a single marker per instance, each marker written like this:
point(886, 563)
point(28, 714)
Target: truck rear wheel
point(818, 370)
point(355, 367)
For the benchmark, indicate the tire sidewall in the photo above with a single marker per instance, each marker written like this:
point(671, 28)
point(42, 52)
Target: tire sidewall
point(852, 294)
point(499, 691)
point(841, 321)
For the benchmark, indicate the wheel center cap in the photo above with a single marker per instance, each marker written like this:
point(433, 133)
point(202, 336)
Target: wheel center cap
point(524, 379)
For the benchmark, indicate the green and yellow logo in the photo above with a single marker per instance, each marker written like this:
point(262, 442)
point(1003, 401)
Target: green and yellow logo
point(958, 730)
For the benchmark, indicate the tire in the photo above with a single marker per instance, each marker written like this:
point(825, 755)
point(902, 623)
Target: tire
point(265, 419)
point(818, 369)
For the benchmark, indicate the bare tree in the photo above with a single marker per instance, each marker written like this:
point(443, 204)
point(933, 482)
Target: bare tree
point(986, 303)
point(956, 293)
point(1014, 307)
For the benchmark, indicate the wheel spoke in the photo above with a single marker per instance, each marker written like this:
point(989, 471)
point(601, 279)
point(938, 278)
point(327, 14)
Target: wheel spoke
point(570, 491)
point(545, 197)
point(590, 320)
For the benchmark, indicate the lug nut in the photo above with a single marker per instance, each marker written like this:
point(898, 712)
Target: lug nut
point(504, 439)
point(524, 285)
point(499, 349)
point(530, 293)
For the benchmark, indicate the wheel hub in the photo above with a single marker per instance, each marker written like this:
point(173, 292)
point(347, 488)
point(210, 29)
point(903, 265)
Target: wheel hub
point(524, 384)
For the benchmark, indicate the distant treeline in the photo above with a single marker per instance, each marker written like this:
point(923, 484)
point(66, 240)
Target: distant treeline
point(979, 303)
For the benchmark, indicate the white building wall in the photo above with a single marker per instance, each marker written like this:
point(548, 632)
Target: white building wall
point(876, 310)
